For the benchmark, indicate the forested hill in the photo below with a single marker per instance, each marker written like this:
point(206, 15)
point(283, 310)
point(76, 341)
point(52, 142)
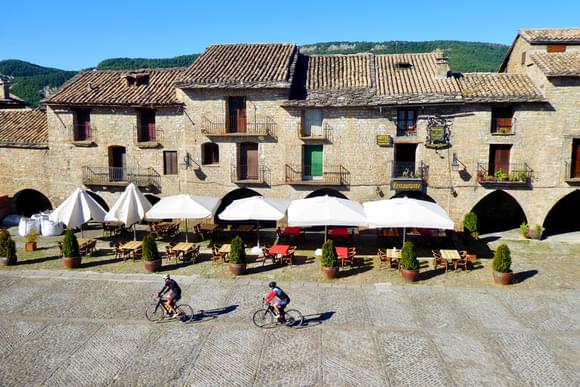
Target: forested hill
point(29, 81)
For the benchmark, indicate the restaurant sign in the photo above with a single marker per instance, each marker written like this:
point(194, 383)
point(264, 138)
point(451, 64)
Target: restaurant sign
point(406, 185)
point(438, 133)
point(384, 140)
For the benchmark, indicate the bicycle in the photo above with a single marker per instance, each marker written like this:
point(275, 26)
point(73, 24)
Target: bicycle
point(158, 311)
point(266, 316)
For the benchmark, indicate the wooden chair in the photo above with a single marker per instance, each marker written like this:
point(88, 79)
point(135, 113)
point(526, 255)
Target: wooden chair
point(387, 259)
point(169, 253)
point(89, 248)
point(289, 258)
point(216, 255)
point(267, 255)
point(60, 248)
point(194, 253)
point(137, 253)
point(117, 250)
point(439, 260)
point(463, 262)
point(349, 260)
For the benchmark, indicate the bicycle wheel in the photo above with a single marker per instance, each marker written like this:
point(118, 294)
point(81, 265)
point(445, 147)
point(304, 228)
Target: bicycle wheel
point(155, 312)
point(294, 318)
point(184, 313)
point(262, 318)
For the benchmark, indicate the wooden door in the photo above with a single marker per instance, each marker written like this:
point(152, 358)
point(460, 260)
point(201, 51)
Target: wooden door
point(147, 125)
point(248, 161)
point(236, 115)
point(499, 158)
point(313, 162)
point(575, 159)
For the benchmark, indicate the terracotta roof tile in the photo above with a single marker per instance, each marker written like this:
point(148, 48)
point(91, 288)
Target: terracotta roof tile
point(551, 35)
point(496, 87)
point(561, 64)
point(111, 88)
point(242, 66)
point(23, 128)
point(334, 72)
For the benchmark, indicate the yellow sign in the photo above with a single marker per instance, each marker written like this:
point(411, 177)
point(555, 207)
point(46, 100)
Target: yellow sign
point(384, 140)
point(397, 185)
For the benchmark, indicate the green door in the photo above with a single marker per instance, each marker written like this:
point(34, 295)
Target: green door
point(313, 161)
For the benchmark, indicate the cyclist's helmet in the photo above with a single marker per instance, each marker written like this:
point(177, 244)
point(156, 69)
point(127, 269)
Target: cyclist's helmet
point(166, 277)
point(272, 284)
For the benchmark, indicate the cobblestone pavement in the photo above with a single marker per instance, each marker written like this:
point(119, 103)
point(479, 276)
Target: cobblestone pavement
point(81, 328)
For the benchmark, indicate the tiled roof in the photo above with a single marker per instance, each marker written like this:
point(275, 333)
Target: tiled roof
point(551, 35)
point(495, 87)
point(23, 128)
point(242, 66)
point(12, 102)
point(335, 72)
point(111, 88)
point(560, 64)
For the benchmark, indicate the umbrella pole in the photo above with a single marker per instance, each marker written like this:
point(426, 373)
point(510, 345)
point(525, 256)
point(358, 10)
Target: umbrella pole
point(134, 231)
point(82, 236)
point(325, 232)
point(186, 230)
point(404, 232)
point(258, 225)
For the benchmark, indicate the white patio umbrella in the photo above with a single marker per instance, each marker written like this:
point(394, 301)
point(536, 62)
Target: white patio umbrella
point(183, 207)
point(255, 208)
point(406, 212)
point(130, 208)
point(326, 211)
point(78, 209)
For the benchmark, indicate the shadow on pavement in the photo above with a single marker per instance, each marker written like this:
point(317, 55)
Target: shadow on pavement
point(311, 320)
point(524, 275)
point(206, 315)
point(36, 260)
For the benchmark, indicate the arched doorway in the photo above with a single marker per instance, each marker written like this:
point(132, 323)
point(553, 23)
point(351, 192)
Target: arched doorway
point(414, 195)
point(326, 191)
point(99, 200)
point(29, 201)
point(564, 215)
point(498, 211)
point(239, 193)
point(152, 199)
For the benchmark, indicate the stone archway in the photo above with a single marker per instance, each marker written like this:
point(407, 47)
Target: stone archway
point(99, 200)
point(564, 216)
point(498, 211)
point(326, 191)
point(28, 202)
point(153, 199)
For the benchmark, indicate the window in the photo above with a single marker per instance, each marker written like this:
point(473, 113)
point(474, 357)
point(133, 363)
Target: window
point(556, 48)
point(501, 120)
point(236, 118)
point(575, 171)
point(146, 125)
point(210, 153)
point(523, 58)
point(406, 122)
point(170, 162)
point(134, 80)
point(82, 125)
point(312, 123)
point(499, 159)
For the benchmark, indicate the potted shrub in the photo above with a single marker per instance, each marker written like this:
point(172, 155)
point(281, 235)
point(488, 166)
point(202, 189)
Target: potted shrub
point(524, 230)
point(409, 262)
point(151, 257)
point(501, 263)
point(70, 250)
point(535, 232)
point(329, 260)
point(31, 239)
point(470, 224)
point(7, 249)
point(237, 258)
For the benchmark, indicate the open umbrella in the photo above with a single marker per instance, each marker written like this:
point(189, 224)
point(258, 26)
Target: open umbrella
point(255, 208)
point(406, 212)
point(183, 207)
point(130, 208)
point(78, 209)
point(325, 211)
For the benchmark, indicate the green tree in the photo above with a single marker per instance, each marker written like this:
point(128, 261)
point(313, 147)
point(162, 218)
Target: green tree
point(502, 259)
point(328, 258)
point(70, 244)
point(237, 251)
point(150, 252)
point(409, 257)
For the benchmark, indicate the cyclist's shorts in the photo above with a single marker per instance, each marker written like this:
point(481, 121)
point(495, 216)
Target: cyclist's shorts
point(282, 303)
point(174, 297)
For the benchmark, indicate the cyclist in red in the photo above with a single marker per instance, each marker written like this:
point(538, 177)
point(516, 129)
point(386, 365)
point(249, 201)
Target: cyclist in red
point(279, 305)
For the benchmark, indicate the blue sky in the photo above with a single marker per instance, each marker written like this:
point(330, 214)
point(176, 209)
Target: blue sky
point(75, 34)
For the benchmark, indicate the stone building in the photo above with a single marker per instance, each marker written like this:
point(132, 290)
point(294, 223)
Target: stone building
point(265, 119)
point(8, 100)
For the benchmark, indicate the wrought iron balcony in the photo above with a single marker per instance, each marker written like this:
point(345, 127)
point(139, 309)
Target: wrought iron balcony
point(117, 176)
point(403, 129)
point(331, 175)
point(325, 134)
point(147, 136)
point(83, 134)
point(219, 128)
point(409, 170)
point(516, 174)
point(242, 174)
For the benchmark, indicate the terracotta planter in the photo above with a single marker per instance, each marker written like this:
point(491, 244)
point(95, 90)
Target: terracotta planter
point(6, 261)
point(72, 262)
point(409, 275)
point(503, 278)
point(329, 272)
point(237, 268)
point(30, 246)
point(152, 266)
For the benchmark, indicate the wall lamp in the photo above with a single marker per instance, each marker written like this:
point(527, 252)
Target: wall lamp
point(455, 163)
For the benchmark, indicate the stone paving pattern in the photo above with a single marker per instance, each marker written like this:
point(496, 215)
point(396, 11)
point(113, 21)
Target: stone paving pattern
point(81, 328)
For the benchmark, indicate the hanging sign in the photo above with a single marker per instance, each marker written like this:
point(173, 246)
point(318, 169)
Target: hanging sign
point(438, 133)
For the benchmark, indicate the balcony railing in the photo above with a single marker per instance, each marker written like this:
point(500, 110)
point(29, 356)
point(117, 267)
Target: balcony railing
point(572, 172)
point(118, 176)
point(241, 174)
point(501, 126)
point(260, 127)
point(409, 170)
point(147, 137)
point(517, 174)
point(325, 133)
point(83, 134)
point(331, 175)
point(404, 130)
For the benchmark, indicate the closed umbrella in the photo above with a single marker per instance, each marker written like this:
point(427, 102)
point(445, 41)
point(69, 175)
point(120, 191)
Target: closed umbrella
point(183, 207)
point(78, 209)
point(406, 212)
point(255, 208)
point(325, 211)
point(130, 208)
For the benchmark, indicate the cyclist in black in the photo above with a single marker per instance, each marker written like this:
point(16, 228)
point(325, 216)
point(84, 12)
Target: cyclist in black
point(282, 297)
point(173, 291)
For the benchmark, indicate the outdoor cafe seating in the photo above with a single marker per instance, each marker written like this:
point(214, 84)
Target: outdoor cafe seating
point(164, 229)
point(389, 258)
point(346, 255)
point(87, 246)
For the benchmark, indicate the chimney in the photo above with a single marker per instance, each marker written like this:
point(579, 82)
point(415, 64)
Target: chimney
point(441, 66)
point(4, 89)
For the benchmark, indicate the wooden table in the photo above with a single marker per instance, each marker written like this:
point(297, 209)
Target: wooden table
point(183, 247)
point(450, 254)
point(83, 242)
point(132, 245)
point(208, 227)
point(245, 228)
point(279, 249)
point(225, 248)
point(394, 254)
